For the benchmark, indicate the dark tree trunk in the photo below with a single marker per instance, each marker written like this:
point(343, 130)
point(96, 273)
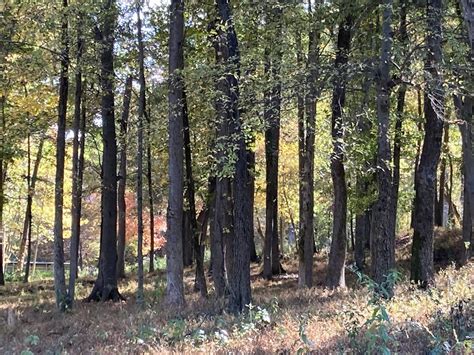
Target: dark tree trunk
point(174, 244)
point(194, 235)
point(271, 260)
point(337, 255)
point(200, 277)
point(397, 141)
point(439, 206)
point(29, 203)
point(237, 248)
point(59, 278)
point(189, 222)
point(362, 236)
point(2, 199)
point(382, 239)
point(150, 195)
point(418, 152)
point(141, 117)
point(306, 240)
point(464, 113)
point(76, 166)
point(422, 269)
point(28, 217)
point(105, 287)
point(251, 201)
point(122, 183)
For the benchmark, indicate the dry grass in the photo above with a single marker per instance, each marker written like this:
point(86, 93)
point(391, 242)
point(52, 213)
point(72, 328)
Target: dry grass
point(316, 320)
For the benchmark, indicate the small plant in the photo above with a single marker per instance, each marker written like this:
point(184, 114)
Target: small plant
point(377, 339)
point(308, 344)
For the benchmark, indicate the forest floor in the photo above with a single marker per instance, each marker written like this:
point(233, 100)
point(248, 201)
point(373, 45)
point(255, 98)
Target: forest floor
point(283, 318)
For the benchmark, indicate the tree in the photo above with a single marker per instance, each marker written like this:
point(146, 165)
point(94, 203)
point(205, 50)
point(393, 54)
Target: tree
point(141, 114)
point(174, 244)
point(237, 255)
point(337, 256)
point(122, 183)
point(77, 163)
point(273, 54)
point(382, 239)
point(105, 287)
point(422, 269)
point(59, 278)
point(307, 138)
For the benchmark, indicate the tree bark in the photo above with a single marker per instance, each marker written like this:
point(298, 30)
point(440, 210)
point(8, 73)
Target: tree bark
point(174, 244)
point(272, 109)
point(29, 202)
point(422, 269)
point(190, 244)
point(382, 239)
point(337, 255)
point(150, 195)
point(2, 198)
point(59, 278)
point(141, 117)
point(397, 141)
point(76, 166)
point(122, 183)
point(105, 287)
point(237, 248)
point(439, 206)
point(306, 247)
point(464, 113)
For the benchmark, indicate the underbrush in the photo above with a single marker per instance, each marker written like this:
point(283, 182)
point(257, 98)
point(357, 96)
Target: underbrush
point(282, 319)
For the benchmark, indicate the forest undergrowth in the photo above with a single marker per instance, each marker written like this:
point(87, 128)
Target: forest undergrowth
point(282, 318)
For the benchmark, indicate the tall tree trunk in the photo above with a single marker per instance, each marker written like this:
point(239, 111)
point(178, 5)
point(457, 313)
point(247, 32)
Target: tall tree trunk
point(271, 261)
point(306, 246)
point(418, 152)
point(382, 243)
point(174, 244)
point(397, 141)
point(59, 278)
point(105, 287)
point(237, 255)
point(122, 183)
point(76, 183)
point(189, 220)
point(28, 217)
point(251, 201)
point(141, 117)
point(150, 194)
point(439, 204)
point(337, 255)
point(29, 202)
point(422, 269)
point(2, 199)
point(464, 113)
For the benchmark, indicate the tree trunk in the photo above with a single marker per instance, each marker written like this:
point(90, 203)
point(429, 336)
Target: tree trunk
point(237, 248)
point(273, 54)
point(76, 181)
point(306, 247)
point(397, 141)
point(105, 287)
point(337, 255)
point(382, 243)
point(190, 244)
point(59, 278)
point(439, 206)
point(418, 153)
point(29, 202)
point(150, 194)
point(141, 117)
point(174, 244)
point(464, 113)
point(28, 217)
point(422, 269)
point(251, 201)
point(122, 183)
